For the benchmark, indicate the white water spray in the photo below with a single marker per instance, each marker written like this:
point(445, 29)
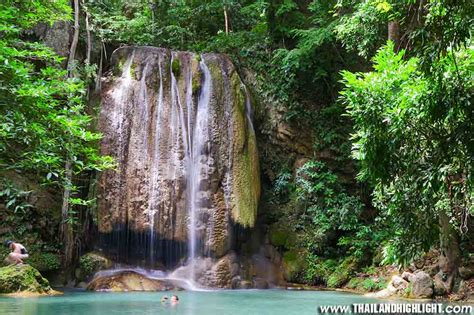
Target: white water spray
point(197, 165)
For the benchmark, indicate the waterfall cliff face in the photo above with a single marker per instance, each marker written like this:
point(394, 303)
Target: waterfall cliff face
point(179, 127)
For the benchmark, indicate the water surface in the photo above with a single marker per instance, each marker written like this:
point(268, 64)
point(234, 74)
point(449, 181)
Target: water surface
point(246, 302)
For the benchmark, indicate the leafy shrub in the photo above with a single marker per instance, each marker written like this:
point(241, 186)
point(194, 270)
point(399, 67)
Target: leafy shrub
point(45, 261)
point(15, 199)
point(342, 273)
point(369, 284)
point(319, 270)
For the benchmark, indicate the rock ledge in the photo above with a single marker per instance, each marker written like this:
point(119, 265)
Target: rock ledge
point(24, 280)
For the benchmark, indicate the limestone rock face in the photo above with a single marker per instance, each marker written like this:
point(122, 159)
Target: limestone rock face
point(20, 279)
point(422, 285)
point(220, 274)
point(130, 281)
point(180, 129)
point(55, 36)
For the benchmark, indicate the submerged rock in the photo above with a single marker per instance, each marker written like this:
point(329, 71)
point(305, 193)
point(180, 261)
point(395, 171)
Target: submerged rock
point(23, 279)
point(130, 281)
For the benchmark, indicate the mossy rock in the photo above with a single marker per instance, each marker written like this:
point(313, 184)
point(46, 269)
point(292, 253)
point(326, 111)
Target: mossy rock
point(89, 264)
point(118, 69)
point(281, 236)
point(197, 76)
point(278, 237)
point(294, 264)
point(246, 170)
point(23, 278)
point(176, 67)
point(133, 72)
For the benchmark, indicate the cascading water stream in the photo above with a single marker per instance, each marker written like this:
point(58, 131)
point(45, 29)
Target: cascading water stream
point(153, 201)
point(197, 164)
point(121, 94)
point(248, 109)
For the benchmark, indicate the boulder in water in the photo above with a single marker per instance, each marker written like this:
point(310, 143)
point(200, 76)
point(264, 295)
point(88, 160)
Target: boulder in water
point(130, 281)
point(23, 280)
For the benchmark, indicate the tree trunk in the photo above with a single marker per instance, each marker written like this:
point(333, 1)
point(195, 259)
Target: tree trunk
point(67, 232)
point(89, 40)
point(394, 34)
point(66, 229)
point(450, 253)
point(99, 70)
point(226, 19)
point(75, 38)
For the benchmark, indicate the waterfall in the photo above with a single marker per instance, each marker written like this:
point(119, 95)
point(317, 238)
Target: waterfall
point(179, 126)
point(154, 171)
point(248, 109)
point(197, 161)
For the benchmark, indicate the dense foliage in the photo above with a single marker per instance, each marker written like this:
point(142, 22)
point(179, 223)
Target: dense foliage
point(43, 119)
point(413, 139)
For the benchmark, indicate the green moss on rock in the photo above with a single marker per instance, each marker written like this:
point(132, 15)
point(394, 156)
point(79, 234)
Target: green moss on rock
point(294, 265)
point(118, 69)
point(176, 67)
point(197, 75)
point(23, 278)
point(89, 264)
point(245, 173)
point(133, 68)
point(278, 237)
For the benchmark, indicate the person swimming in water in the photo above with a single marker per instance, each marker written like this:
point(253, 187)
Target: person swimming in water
point(18, 253)
point(174, 300)
point(164, 300)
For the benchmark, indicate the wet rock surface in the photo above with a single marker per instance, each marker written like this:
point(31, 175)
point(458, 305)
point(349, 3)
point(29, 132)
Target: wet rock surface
point(130, 281)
